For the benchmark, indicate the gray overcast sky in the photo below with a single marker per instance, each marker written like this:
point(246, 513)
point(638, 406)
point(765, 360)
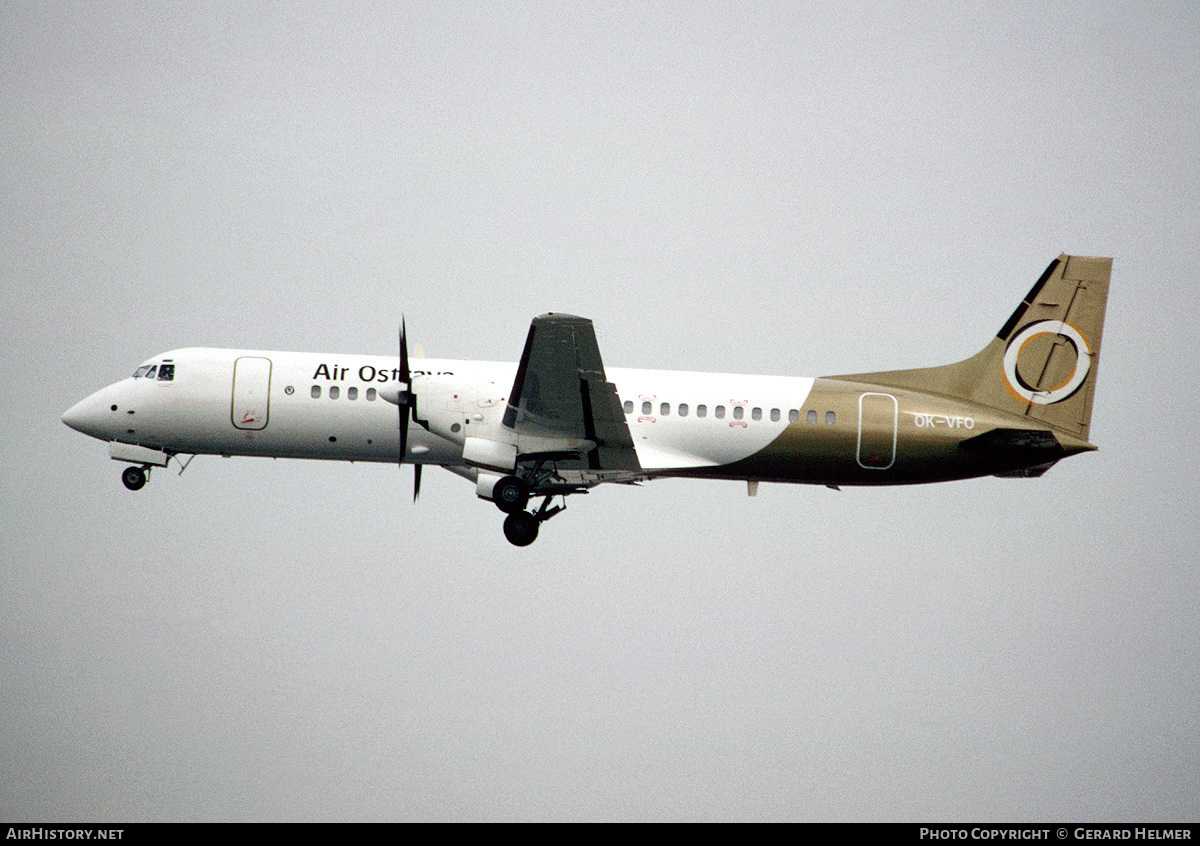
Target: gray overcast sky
point(782, 188)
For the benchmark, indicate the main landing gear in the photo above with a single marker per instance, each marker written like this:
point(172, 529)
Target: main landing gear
point(511, 494)
point(521, 528)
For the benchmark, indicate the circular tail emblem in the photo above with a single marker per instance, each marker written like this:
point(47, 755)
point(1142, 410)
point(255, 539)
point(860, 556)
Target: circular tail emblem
point(1012, 354)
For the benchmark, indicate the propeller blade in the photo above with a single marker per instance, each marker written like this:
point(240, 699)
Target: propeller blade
point(406, 393)
point(405, 374)
point(406, 400)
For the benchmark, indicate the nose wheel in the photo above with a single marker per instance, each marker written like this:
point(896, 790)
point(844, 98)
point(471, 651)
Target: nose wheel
point(134, 478)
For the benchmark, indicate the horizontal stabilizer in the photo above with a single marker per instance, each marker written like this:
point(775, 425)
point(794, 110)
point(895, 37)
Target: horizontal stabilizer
point(1011, 441)
point(1028, 472)
point(1037, 449)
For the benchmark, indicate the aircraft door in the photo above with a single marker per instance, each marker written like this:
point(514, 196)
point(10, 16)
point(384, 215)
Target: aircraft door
point(251, 392)
point(877, 417)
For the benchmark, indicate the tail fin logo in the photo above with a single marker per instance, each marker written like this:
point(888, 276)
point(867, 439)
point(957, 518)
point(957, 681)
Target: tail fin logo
point(1058, 393)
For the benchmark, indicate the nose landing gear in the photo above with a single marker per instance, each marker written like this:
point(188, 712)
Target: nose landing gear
point(134, 478)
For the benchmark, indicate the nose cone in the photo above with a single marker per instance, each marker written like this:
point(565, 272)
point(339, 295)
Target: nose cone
point(88, 416)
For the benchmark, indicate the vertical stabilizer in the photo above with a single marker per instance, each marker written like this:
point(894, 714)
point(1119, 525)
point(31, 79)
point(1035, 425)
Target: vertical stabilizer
point(1044, 361)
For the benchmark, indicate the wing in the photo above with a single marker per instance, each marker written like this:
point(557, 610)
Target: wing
point(561, 396)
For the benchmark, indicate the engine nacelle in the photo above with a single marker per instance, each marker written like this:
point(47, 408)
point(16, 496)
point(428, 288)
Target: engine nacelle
point(485, 484)
point(489, 454)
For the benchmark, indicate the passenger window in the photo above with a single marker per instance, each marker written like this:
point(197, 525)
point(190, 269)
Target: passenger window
point(812, 416)
point(646, 407)
point(352, 393)
point(794, 416)
point(774, 415)
point(719, 412)
point(370, 395)
point(683, 409)
point(665, 409)
point(830, 418)
point(702, 411)
point(738, 412)
point(166, 373)
point(756, 414)
point(334, 391)
point(316, 391)
point(628, 406)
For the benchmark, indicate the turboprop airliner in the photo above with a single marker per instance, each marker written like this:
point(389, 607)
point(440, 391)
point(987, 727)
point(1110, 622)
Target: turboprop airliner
point(557, 422)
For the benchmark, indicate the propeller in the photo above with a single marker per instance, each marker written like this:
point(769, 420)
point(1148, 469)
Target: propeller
point(406, 400)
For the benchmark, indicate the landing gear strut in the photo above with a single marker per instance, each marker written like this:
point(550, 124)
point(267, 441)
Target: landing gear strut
point(134, 478)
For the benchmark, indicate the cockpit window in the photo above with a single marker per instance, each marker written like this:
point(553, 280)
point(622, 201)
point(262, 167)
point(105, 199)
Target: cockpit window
point(165, 371)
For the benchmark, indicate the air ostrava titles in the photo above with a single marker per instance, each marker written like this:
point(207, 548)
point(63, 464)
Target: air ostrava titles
point(369, 373)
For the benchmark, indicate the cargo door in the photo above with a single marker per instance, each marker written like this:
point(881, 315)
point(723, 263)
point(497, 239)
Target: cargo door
point(877, 417)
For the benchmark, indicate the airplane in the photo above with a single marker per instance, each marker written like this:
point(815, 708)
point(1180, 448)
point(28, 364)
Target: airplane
point(558, 423)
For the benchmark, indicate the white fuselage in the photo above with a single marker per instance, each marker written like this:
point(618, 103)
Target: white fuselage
point(318, 406)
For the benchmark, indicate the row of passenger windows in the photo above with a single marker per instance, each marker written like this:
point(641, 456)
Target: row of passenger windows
point(351, 393)
point(739, 412)
point(664, 409)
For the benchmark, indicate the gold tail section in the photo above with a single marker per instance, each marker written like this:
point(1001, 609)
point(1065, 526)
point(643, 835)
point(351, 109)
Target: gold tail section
point(1044, 361)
